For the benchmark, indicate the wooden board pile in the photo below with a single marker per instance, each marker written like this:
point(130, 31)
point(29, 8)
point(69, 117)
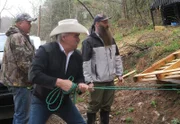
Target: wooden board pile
point(167, 70)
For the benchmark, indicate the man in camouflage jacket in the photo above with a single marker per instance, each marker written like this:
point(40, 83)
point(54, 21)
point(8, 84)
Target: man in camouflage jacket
point(18, 54)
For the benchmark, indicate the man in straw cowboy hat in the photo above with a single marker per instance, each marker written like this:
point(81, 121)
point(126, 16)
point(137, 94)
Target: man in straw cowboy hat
point(58, 65)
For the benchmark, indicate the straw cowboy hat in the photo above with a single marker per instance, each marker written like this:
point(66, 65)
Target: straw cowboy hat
point(68, 25)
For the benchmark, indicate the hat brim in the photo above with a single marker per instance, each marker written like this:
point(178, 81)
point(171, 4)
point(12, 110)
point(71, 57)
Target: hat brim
point(106, 18)
point(67, 28)
point(31, 19)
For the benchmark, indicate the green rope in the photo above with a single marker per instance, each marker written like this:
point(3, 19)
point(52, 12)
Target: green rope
point(53, 96)
point(132, 88)
point(141, 87)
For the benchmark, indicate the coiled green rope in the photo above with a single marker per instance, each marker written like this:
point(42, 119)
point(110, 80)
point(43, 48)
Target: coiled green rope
point(56, 93)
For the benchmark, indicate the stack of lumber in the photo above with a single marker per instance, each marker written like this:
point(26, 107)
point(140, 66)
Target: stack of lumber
point(167, 69)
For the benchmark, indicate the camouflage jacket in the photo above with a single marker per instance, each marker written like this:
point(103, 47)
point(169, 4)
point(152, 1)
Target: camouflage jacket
point(18, 54)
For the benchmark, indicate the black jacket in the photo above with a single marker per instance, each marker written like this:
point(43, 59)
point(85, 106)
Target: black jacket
point(49, 64)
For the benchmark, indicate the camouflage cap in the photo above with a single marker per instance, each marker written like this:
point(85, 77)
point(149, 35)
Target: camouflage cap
point(24, 16)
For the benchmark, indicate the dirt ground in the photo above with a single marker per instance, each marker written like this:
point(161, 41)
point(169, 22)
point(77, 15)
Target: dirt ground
point(146, 107)
point(138, 107)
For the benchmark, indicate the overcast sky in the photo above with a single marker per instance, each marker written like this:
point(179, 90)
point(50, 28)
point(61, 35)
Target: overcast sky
point(13, 7)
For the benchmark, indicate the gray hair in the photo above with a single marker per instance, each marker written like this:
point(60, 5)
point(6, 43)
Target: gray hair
point(59, 36)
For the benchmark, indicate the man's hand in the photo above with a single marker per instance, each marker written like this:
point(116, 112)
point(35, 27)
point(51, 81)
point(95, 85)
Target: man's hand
point(120, 80)
point(83, 87)
point(64, 84)
point(91, 87)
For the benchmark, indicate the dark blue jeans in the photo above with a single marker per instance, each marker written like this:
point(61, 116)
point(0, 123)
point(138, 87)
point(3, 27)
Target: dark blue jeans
point(22, 100)
point(39, 112)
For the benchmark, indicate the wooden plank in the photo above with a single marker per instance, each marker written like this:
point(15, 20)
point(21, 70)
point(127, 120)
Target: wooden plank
point(163, 74)
point(173, 76)
point(175, 60)
point(177, 53)
point(149, 79)
point(172, 73)
point(170, 63)
point(163, 67)
point(175, 72)
point(158, 72)
point(169, 70)
point(173, 66)
point(126, 75)
point(140, 79)
point(150, 76)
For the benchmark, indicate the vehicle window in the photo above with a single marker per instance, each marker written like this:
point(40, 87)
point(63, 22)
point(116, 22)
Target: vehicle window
point(35, 41)
point(2, 42)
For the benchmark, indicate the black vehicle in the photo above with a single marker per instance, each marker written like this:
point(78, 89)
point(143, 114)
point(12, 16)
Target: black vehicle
point(6, 97)
point(6, 103)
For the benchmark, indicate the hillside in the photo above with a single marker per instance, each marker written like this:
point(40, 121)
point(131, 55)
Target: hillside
point(139, 50)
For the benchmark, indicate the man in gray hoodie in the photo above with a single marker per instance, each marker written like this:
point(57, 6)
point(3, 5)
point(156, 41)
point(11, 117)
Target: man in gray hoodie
point(101, 63)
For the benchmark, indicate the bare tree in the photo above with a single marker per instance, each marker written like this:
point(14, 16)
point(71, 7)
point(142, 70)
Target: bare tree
point(52, 11)
point(36, 11)
point(69, 2)
point(6, 21)
point(3, 8)
point(125, 11)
